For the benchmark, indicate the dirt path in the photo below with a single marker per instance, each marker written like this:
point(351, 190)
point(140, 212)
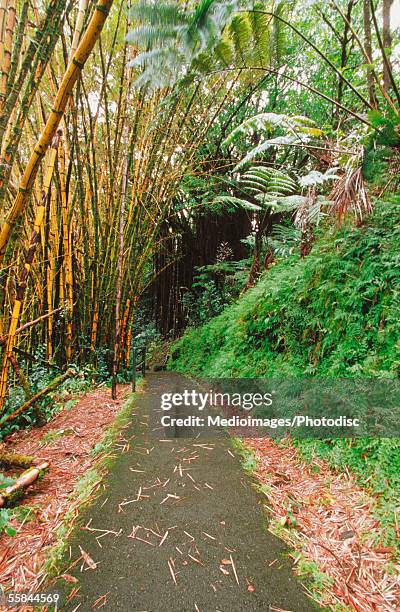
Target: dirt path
point(202, 543)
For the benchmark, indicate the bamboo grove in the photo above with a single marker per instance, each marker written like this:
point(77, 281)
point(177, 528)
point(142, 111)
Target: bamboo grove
point(90, 168)
point(100, 123)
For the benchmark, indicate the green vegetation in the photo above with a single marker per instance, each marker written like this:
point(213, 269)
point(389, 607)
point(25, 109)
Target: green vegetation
point(333, 313)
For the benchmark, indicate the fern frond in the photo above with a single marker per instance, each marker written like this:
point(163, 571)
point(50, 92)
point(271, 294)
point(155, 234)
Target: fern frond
point(241, 36)
point(268, 180)
point(225, 51)
point(278, 40)
point(281, 204)
point(236, 202)
point(158, 13)
point(285, 240)
point(150, 35)
point(264, 146)
point(261, 33)
point(257, 123)
point(318, 178)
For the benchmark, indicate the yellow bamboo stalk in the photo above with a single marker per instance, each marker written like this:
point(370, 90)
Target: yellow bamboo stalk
point(3, 9)
point(95, 324)
point(20, 293)
point(78, 25)
point(73, 71)
point(124, 324)
point(128, 346)
point(9, 33)
point(67, 251)
point(51, 268)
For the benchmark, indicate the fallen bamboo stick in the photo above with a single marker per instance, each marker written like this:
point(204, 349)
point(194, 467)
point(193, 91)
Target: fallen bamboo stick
point(15, 491)
point(3, 339)
point(35, 398)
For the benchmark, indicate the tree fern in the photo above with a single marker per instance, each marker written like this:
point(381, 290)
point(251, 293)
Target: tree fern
point(175, 36)
point(211, 36)
point(298, 130)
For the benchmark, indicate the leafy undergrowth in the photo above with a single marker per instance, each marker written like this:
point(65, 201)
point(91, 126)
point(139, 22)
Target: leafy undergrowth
point(65, 396)
point(334, 313)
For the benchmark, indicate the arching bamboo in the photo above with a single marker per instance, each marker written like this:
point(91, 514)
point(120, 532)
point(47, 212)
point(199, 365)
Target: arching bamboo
point(74, 69)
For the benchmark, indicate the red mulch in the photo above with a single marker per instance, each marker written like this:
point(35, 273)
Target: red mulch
point(22, 556)
point(334, 527)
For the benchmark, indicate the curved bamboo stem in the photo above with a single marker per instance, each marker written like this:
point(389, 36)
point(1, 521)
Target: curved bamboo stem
point(70, 77)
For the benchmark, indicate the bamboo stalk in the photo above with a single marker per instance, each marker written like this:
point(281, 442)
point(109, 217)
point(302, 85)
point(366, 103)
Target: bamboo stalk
point(74, 69)
point(56, 382)
point(3, 9)
point(21, 289)
point(9, 33)
point(15, 491)
point(67, 252)
point(78, 25)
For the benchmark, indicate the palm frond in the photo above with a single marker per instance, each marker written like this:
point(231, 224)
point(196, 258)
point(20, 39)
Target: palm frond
point(349, 197)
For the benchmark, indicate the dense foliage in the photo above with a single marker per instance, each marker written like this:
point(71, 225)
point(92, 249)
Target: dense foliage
point(334, 313)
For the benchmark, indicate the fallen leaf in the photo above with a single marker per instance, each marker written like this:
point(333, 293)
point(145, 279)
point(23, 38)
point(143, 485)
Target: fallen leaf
point(87, 559)
point(69, 578)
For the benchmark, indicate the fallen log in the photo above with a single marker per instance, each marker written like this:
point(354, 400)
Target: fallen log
point(10, 459)
point(35, 398)
point(12, 493)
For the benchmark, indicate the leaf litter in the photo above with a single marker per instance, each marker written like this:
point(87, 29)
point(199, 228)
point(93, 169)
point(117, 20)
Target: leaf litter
point(330, 519)
point(21, 564)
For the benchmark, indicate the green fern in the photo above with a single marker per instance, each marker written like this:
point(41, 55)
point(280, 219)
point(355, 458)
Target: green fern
point(176, 41)
point(298, 131)
point(172, 38)
point(268, 180)
point(229, 200)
